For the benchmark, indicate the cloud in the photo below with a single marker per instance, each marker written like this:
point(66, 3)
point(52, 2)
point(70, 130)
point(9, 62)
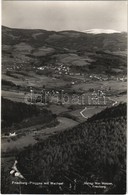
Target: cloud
point(62, 15)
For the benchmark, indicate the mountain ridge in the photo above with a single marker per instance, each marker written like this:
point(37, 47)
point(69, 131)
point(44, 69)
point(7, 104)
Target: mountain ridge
point(100, 31)
point(64, 39)
point(105, 31)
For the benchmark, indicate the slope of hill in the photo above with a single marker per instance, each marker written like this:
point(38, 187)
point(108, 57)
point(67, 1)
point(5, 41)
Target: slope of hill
point(112, 112)
point(91, 152)
point(14, 115)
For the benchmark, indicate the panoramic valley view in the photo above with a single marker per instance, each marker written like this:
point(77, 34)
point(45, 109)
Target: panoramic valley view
point(63, 111)
point(33, 131)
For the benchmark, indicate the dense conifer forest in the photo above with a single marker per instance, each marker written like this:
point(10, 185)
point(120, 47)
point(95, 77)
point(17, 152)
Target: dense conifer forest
point(94, 151)
point(15, 114)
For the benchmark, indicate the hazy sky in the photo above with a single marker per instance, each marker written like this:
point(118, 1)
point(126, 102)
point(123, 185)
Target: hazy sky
point(65, 15)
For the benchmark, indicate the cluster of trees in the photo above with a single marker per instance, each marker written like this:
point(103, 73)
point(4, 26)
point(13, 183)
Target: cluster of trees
point(23, 115)
point(9, 83)
point(92, 151)
point(46, 72)
point(111, 112)
point(107, 62)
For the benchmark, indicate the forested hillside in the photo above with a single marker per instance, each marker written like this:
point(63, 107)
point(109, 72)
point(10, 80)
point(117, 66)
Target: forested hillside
point(64, 39)
point(120, 110)
point(16, 112)
point(94, 151)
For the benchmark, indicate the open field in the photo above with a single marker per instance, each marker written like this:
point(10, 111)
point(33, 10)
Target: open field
point(114, 85)
point(111, 87)
point(34, 80)
point(13, 95)
point(90, 111)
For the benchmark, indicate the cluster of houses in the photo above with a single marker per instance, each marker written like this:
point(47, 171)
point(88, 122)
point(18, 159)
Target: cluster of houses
point(17, 64)
point(15, 67)
point(61, 69)
point(106, 78)
point(95, 77)
point(7, 135)
point(15, 172)
point(123, 79)
point(42, 68)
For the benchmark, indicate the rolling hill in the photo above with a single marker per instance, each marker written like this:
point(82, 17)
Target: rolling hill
point(84, 51)
point(64, 39)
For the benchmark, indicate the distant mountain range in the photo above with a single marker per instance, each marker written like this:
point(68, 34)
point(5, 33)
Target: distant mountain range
point(88, 40)
point(94, 47)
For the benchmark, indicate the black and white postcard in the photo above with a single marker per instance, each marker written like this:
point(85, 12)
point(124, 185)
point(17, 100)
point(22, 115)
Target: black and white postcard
point(63, 97)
